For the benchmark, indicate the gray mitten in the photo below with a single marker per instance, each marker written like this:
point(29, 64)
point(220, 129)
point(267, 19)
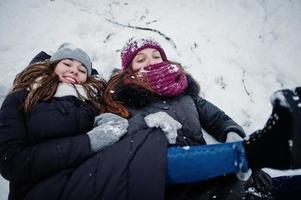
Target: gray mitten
point(168, 124)
point(109, 128)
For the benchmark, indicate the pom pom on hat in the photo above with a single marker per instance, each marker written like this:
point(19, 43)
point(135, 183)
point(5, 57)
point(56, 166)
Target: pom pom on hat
point(69, 51)
point(134, 45)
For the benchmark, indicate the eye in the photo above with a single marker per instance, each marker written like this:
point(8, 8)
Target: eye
point(139, 59)
point(156, 55)
point(82, 70)
point(67, 64)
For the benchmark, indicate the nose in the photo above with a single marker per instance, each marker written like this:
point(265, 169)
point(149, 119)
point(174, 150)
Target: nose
point(73, 70)
point(151, 61)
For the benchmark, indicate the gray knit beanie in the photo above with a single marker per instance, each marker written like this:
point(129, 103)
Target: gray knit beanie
point(69, 51)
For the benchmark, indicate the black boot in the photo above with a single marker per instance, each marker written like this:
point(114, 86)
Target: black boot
point(278, 144)
point(294, 101)
point(270, 147)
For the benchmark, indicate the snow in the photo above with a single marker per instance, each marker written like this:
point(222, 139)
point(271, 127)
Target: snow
point(186, 148)
point(173, 68)
point(239, 51)
point(280, 98)
point(254, 192)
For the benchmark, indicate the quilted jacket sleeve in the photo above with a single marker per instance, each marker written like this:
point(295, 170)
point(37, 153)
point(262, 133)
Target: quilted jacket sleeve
point(20, 160)
point(215, 121)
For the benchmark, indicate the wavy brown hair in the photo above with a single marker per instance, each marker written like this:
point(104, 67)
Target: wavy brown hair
point(41, 82)
point(124, 78)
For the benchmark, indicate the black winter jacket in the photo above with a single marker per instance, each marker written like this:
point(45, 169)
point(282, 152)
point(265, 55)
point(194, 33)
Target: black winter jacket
point(45, 154)
point(48, 139)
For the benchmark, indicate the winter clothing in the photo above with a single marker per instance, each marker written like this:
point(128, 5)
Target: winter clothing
point(225, 187)
point(42, 56)
point(275, 153)
point(109, 129)
point(65, 89)
point(287, 187)
point(119, 171)
point(36, 145)
point(194, 114)
point(166, 123)
point(291, 100)
point(166, 79)
point(260, 152)
point(46, 154)
point(180, 167)
point(233, 137)
point(69, 51)
point(134, 45)
point(283, 125)
point(232, 156)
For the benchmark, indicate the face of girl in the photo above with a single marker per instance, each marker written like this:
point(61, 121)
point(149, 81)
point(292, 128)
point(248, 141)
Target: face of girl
point(146, 57)
point(71, 71)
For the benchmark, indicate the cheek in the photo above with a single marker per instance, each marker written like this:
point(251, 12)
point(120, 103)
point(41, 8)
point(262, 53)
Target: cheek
point(82, 78)
point(137, 66)
point(57, 71)
point(140, 66)
point(157, 61)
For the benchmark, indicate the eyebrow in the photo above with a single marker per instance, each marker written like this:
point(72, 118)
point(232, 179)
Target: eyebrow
point(75, 60)
point(154, 51)
point(139, 54)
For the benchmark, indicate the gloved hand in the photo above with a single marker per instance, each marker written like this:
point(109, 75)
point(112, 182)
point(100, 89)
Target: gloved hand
point(168, 125)
point(109, 128)
point(234, 137)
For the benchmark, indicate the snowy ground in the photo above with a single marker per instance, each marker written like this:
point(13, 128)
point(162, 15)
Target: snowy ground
point(239, 51)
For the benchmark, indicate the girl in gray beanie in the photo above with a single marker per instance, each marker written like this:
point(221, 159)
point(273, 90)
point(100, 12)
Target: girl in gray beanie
point(47, 122)
point(69, 51)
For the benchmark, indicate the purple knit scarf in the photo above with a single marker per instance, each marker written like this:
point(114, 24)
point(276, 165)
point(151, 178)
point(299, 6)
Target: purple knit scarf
point(166, 79)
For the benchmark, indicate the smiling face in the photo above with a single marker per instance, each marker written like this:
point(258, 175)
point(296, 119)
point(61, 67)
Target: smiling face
point(71, 71)
point(146, 57)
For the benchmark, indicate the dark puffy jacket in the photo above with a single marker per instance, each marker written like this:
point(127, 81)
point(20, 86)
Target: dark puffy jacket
point(45, 154)
point(194, 113)
point(38, 144)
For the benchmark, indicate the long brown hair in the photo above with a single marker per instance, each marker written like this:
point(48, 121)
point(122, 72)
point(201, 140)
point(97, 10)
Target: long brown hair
point(125, 78)
point(41, 82)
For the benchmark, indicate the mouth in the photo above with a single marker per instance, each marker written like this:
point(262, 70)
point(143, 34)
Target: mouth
point(68, 79)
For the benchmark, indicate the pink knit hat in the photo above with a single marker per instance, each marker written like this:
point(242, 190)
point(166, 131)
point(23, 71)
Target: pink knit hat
point(134, 45)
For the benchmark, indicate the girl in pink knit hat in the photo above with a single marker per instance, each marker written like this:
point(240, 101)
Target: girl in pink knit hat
point(151, 85)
